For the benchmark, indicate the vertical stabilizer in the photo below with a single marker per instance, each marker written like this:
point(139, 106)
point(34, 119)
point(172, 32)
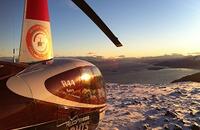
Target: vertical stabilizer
point(36, 41)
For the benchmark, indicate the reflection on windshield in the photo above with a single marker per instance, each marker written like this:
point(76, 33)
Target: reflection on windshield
point(83, 84)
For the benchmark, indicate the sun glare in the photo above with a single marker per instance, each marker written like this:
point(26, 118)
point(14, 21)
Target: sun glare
point(85, 77)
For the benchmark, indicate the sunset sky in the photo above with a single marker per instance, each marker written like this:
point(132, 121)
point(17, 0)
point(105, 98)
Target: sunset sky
point(145, 27)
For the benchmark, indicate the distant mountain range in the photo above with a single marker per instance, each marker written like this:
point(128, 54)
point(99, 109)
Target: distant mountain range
point(121, 65)
point(171, 61)
point(192, 62)
point(8, 59)
point(193, 78)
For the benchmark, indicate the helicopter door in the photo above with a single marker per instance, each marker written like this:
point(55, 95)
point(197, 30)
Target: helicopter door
point(45, 115)
point(70, 86)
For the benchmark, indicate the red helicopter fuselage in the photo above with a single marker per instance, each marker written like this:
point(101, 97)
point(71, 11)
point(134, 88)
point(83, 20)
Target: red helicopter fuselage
point(65, 94)
point(39, 93)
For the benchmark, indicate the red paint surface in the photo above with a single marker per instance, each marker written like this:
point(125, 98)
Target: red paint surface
point(37, 10)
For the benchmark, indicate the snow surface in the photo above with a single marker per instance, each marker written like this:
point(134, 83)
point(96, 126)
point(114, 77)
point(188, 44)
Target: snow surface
point(138, 107)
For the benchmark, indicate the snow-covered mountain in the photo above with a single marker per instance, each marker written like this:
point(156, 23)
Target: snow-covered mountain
point(137, 107)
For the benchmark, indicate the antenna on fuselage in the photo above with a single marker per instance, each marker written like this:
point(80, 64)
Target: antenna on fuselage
point(14, 58)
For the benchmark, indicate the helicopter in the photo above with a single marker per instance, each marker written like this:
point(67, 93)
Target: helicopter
point(42, 93)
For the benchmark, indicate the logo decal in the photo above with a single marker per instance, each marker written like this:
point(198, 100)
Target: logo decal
point(38, 41)
point(81, 123)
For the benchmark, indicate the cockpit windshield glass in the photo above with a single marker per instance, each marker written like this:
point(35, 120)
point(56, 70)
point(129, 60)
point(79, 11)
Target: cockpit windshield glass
point(83, 84)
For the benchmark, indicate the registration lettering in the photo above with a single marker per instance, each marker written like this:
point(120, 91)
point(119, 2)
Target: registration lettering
point(82, 126)
point(77, 124)
point(68, 83)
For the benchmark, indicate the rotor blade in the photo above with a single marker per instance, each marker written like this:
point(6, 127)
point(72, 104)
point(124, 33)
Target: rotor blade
point(97, 20)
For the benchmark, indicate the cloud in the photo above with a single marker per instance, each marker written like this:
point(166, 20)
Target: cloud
point(121, 56)
point(194, 53)
point(91, 53)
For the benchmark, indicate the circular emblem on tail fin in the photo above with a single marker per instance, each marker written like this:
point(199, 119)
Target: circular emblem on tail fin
point(37, 41)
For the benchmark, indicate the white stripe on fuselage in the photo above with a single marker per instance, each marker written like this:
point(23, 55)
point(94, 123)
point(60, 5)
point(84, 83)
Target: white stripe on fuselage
point(30, 83)
point(35, 125)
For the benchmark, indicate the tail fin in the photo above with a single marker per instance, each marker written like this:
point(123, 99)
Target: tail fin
point(36, 42)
